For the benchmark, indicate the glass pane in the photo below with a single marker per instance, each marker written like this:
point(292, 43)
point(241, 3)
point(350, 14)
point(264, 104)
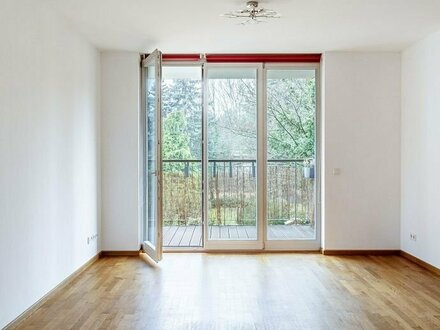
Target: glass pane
point(291, 118)
point(232, 153)
point(151, 134)
point(182, 156)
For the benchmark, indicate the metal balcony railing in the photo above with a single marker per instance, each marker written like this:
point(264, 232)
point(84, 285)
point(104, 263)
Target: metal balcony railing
point(232, 192)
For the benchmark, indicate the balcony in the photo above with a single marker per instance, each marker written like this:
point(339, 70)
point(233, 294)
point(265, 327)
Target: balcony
point(232, 202)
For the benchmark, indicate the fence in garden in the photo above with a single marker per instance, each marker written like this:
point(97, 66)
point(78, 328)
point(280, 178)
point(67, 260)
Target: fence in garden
point(232, 192)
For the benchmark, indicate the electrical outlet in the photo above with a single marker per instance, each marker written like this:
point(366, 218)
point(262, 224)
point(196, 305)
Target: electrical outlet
point(413, 237)
point(92, 238)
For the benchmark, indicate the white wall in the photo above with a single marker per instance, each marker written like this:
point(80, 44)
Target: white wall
point(49, 154)
point(361, 106)
point(420, 212)
point(119, 136)
point(362, 138)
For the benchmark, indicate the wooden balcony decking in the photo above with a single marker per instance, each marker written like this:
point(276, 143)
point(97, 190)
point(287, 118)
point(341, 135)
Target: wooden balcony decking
point(191, 236)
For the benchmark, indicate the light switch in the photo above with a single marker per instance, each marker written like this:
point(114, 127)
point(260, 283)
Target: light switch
point(336, 171)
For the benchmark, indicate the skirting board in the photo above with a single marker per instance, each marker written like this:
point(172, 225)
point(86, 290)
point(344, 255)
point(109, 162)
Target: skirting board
point(420, 262)
point(28, 312)
point(213, 251)
point(359, 252)
point(119, 253)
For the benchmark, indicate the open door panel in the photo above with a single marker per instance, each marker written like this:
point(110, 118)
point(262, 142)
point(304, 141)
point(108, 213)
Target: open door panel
point(151, 155)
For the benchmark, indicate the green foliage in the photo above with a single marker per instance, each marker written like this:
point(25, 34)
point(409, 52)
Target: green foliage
point(184, 95)
point(182, 202)
point(291, 118)
point(175, 137)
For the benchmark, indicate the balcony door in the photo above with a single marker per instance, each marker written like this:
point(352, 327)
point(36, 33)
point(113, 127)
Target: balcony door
point(237, 166)
point(151, 155)
point(291, 157)
point(232, 160)
point(182, 155)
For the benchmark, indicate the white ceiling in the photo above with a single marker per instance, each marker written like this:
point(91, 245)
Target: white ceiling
point(179, 26)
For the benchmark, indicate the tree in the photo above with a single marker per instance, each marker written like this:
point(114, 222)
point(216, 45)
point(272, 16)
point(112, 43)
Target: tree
point(185, 95)
point(175, 139)
point(291, 105)
point(232, 113)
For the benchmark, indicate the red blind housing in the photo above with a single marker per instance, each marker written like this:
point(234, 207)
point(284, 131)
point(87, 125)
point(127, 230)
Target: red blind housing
point(181, 57)
point(244, 58)
point(265, 58)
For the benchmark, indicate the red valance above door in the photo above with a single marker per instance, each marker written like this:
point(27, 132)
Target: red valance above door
point(263, 58)
point(243, 58)
point(181, 57)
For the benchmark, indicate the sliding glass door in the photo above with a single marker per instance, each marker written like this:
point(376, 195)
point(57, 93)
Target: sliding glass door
point(291, 157)
point(232, 168)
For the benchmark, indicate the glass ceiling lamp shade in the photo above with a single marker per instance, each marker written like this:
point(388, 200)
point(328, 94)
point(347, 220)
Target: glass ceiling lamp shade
point(252, 13)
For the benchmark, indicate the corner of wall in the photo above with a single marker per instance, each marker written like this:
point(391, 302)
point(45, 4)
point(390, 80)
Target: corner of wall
point(420, 158)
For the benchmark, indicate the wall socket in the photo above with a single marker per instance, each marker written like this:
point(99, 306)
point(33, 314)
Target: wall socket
point(336, 171)
point(412, 237)
point(91, 238)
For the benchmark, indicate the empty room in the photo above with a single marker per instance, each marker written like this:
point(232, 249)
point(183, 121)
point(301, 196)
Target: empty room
point(227, 164)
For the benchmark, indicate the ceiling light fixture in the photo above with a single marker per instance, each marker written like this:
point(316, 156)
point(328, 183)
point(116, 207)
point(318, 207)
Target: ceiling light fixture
point(253, 13)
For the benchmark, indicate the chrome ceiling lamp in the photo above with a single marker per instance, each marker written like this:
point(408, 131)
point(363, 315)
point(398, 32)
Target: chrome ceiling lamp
point(252, 13)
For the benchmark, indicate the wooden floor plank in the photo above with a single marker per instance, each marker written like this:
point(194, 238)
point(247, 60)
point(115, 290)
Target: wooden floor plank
point(242, 233)
point(294, 232)
point(233, 233)
point(215, 232)
point(263, 291)
point(251, 232)
point(177, 238)
point(166, 229)
point(224, 232)
point(169, 234)
point(196, 239)
point(270, 233)
point(186, 237)
point(278, 232)
point(302, 232)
